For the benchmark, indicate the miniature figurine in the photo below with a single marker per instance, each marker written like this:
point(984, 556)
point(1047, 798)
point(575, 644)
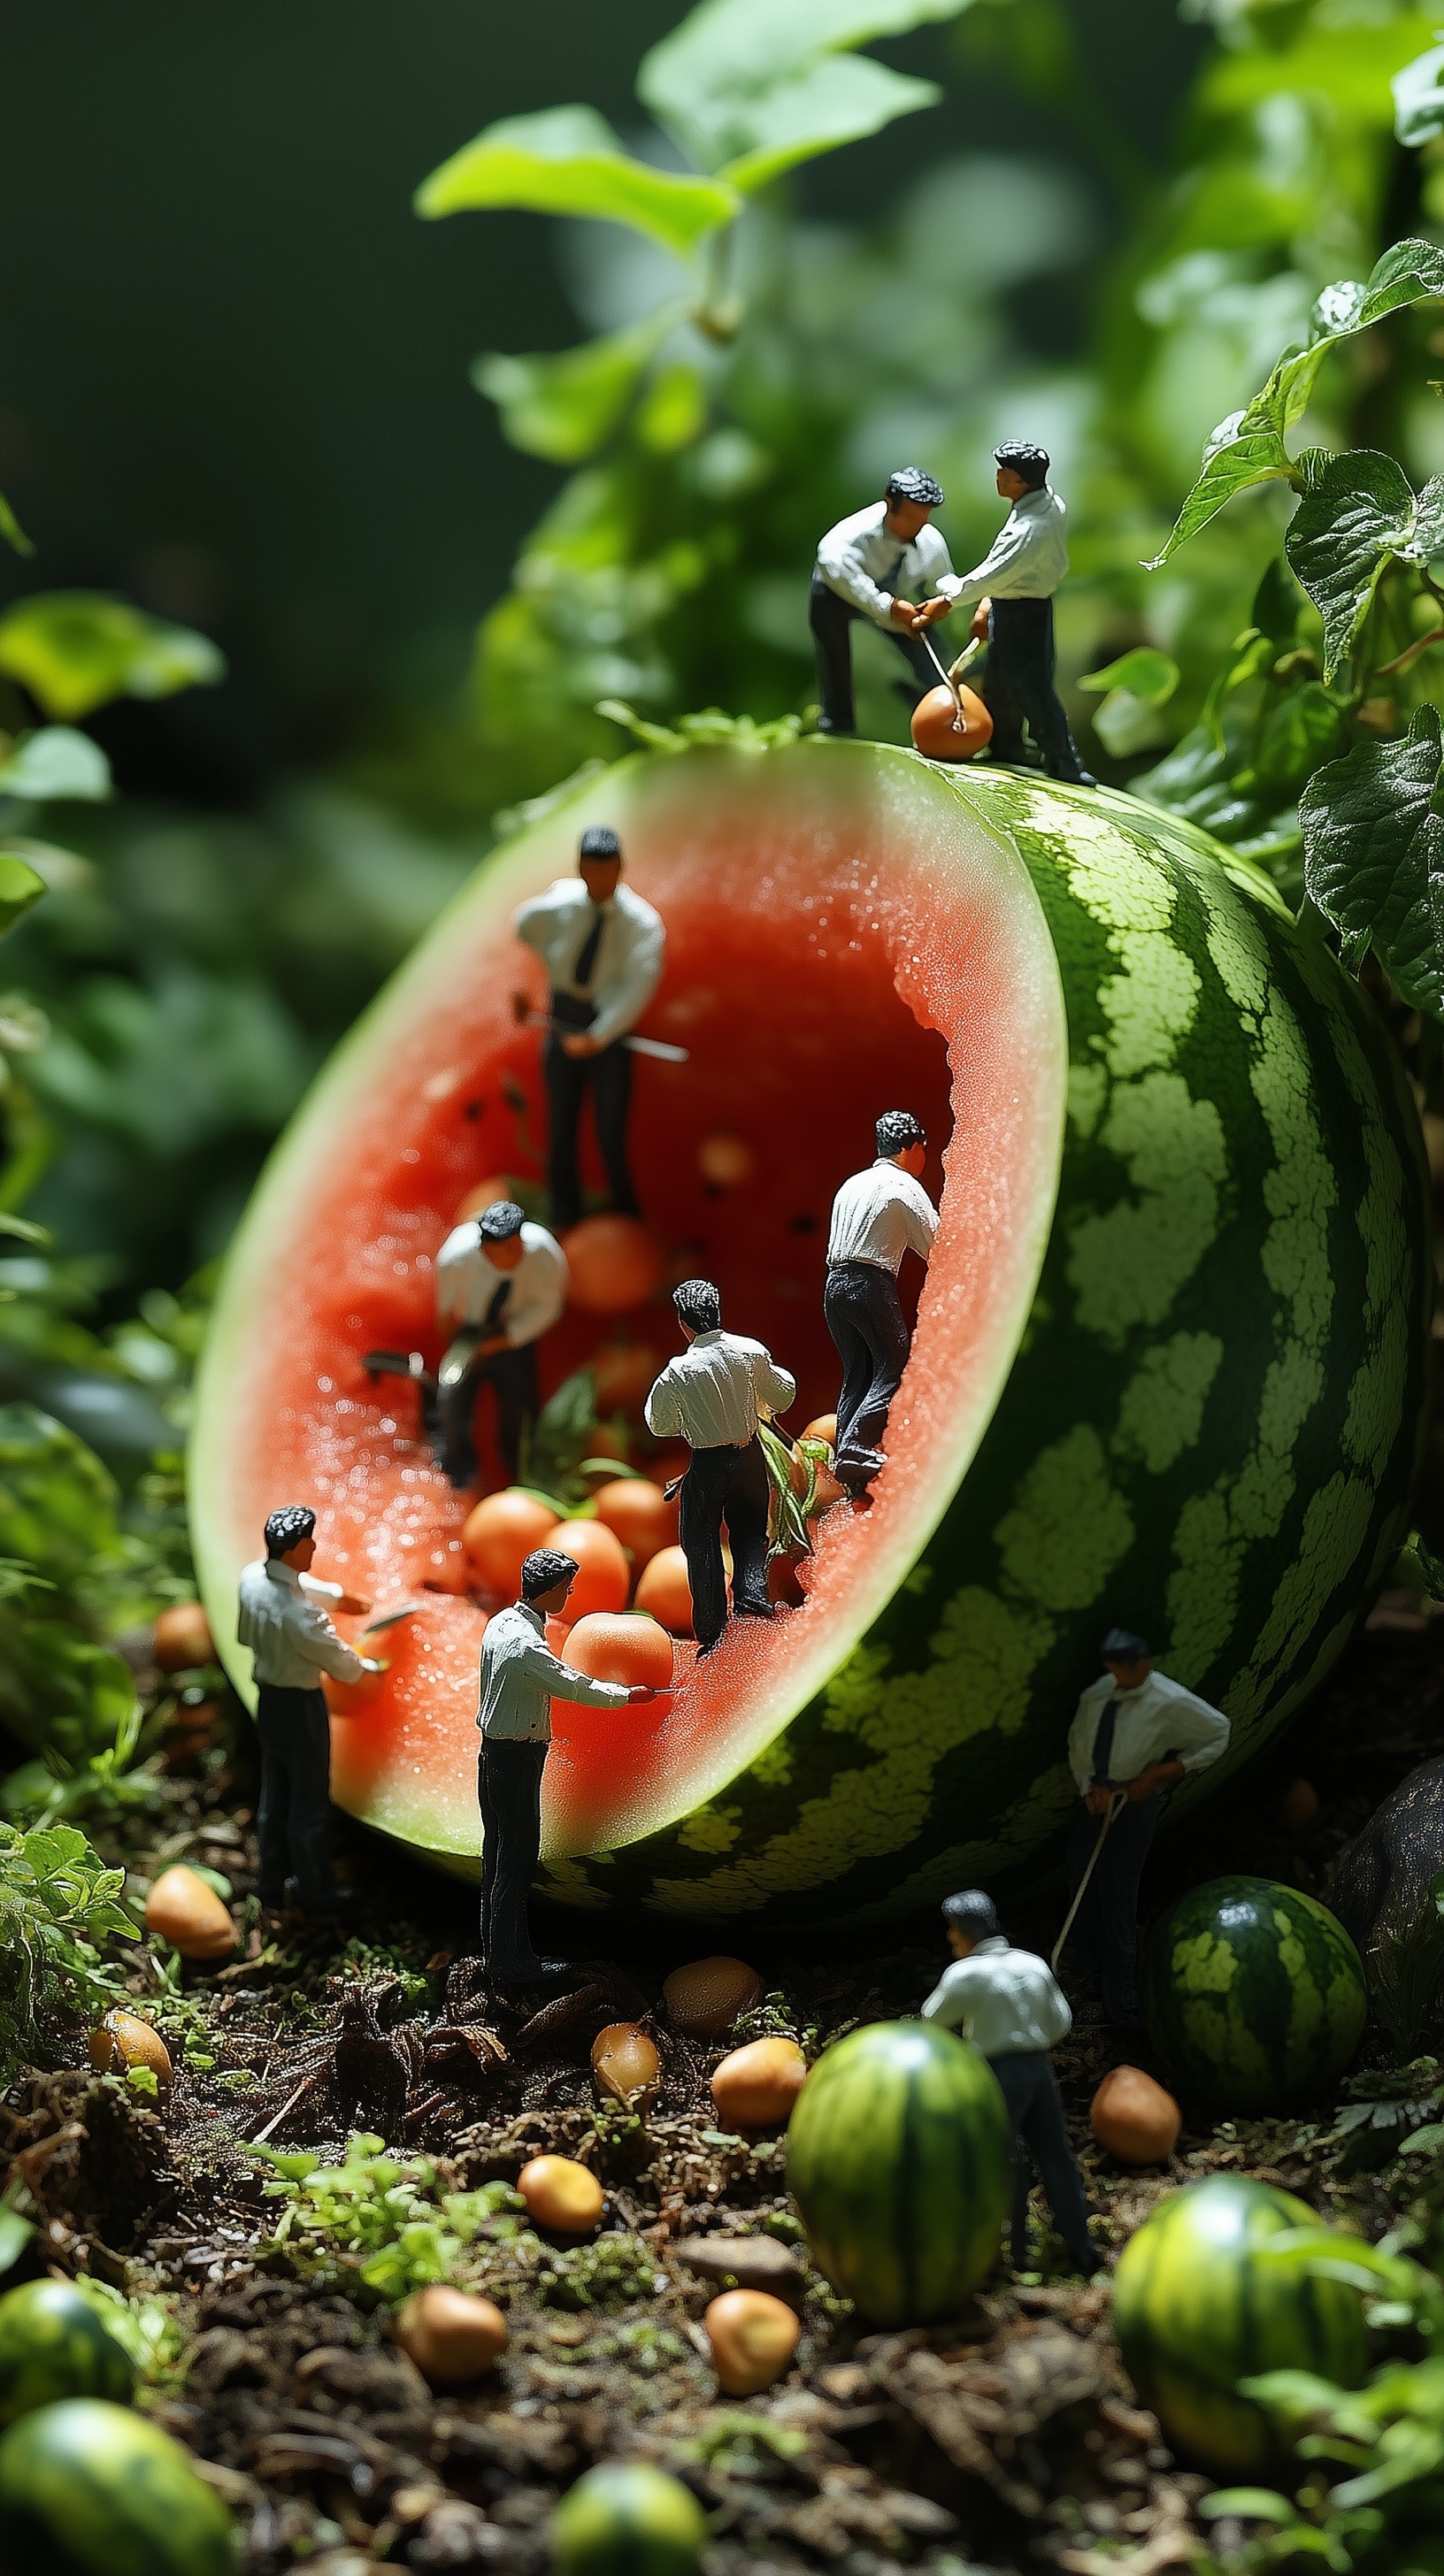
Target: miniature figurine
point(1008, 2003)
point(860, 565)
point(1013, 587)
point(713, 1396)
point(603, 949)
point(519, 1675)
point(504, 1281)
point(1134, 1734)
point(292, 1644)
point(877, 1216)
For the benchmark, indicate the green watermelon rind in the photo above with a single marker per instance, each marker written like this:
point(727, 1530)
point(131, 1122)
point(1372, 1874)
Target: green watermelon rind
point(627, 2518)
point(1253, 1994)
point(900, 2160)
point(53, 2345)
point(90, 2489)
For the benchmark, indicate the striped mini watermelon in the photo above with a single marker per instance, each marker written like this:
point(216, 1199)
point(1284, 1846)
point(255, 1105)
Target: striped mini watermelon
point(1197, 2308)
point(627, 2518)
point(1168, 1363)
point(899, 2157)
point(1253, 1994)
point(54, 2344)
point(89, 2489)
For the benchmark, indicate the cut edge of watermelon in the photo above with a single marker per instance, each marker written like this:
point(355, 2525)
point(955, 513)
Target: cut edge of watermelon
point(970, 953)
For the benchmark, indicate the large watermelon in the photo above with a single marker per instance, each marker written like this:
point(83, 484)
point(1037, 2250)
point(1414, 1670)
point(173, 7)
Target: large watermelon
point(1197, 2308)
point(89, 2489)
point(1169, 1357)
point(1253, 1994)
point(900, 2159)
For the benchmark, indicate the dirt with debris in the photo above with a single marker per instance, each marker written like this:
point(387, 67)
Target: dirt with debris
point(1008, 2440)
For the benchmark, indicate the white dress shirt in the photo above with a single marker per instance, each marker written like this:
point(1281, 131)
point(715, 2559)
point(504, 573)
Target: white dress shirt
point(1006, 2001)
point(557, 925)
point(712, 1396)
point(466, 1282)
point(519, 1673)
point(868, 568)
point(291, 1639)
point(879, 1215)
point(1157, 1719)
point(1027, 559)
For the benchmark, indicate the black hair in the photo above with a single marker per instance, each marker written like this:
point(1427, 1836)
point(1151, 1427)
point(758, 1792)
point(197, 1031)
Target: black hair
point(286, 1528)
point(699, 1304)
point(971, 1913)
point(499, 1222)
point(910, 483)
point(599, 841)
point(544, 1567)
point(1124, 1646)
point(1025, 459)
point(897, 1129)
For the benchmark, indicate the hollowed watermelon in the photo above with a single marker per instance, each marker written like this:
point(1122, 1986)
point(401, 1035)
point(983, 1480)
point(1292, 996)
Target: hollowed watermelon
point(1169, 1356)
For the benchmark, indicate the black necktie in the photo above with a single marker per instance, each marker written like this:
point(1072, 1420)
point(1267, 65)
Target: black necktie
point(585, 966)
point(495, 1311)
point(891, 574)
point(1103, 1741)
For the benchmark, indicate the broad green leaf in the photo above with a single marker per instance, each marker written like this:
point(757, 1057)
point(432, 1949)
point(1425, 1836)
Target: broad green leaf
point(1248, 447)
point(11, 530)
point(1374, 855)
point(56, 761)
point(566, 407)
point(19, 888)
point(739, 83)
point(1247, 2504)
point(75, 649)
point(1419, 99)
point(1358, 513)
point(1350, 66)
point(1145, 673)
point(568, 161)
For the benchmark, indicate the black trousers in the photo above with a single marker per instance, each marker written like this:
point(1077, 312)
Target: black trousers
point(609, 1076)
point(293, 1823)
point(513, 1374)
point(863, 1312)
point(832, 620)
point(1040, 2140)
point(1104, 1940)
point(1018, 687)
point(731, 1485)
point(508, 1790)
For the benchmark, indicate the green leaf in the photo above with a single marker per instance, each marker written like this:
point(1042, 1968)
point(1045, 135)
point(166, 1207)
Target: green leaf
point(1247, 2504)
point(1374, 855)
point(1419, 99)
point(751, 87)
point(11, 530)
point(1359, 513)
point(56, 762)
point(566, 407)
point(1248, 447)
point(1145, 673)
point(75, 649)
point(568, 161)
point(19, 888)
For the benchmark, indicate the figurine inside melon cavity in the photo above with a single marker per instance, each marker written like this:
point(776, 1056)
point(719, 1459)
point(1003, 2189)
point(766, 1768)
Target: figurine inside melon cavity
point(1169, 1352)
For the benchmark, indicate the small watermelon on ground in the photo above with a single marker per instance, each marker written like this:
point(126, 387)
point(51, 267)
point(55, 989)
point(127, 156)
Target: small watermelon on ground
point(90, 2489)
point(1170, 1349)
point(628, 2519)
point(1253, 1994)
point(1197, 2308)
point(899, 2157)
point(53, 2344)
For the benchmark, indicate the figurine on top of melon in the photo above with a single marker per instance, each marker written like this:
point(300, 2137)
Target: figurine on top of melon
point(877, 1216)
point(862, 566)
point(713, 1396)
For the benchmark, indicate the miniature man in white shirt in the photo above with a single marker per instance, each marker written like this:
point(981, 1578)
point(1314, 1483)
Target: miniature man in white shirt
point(713, 1397)
point(501, 1282)
point(863, 565)
point(877, 1216)
point(1013, 587)
point(292, 1644)
point(1135, 1733)
point(603, 949)
point(519, 1675)
point(1010, 2006)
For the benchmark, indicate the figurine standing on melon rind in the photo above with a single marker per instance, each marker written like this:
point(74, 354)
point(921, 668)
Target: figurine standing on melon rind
point(862, 566)
point(603, 949)
point(713, 1397)
point(519, 1675)
point(1008, 2003)
point(877, 1216)
point(1135, 1733)
point(292, 1644)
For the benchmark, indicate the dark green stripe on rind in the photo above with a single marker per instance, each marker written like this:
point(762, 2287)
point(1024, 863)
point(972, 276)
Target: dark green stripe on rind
point(1254, 1995)
point(1196, 2311)
point(899, 2157)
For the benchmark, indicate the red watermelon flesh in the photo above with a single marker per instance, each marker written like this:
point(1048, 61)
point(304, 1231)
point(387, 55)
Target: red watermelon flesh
point(840, 941)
